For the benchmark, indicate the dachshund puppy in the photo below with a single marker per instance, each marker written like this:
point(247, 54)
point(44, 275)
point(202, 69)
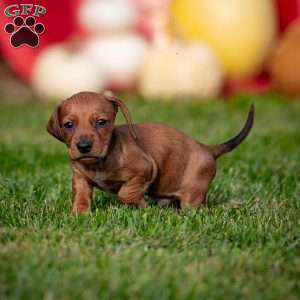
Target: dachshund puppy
point(133, 160)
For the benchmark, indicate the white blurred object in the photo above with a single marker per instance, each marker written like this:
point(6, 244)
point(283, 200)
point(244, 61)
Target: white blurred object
point(181, 70)
point(106, 15)
point(59, 73)
point(118, 56)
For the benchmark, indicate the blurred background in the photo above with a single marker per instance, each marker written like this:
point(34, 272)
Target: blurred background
point(176, 50)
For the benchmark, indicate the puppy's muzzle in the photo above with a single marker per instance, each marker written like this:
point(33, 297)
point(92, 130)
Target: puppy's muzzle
point(84, 145)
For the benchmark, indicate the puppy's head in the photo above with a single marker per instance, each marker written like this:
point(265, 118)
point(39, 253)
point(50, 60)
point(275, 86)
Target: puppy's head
point(85, 123)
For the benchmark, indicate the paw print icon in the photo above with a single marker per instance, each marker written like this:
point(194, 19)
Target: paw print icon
point(24, 31)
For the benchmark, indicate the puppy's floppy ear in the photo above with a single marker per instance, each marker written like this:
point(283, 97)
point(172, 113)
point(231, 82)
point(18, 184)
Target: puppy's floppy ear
point(108, 95)
point(53, 126)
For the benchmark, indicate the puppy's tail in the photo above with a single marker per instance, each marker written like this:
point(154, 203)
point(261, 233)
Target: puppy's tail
point(228, 146)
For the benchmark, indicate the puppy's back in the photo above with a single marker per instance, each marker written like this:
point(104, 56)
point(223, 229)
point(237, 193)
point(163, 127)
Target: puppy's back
point(170, 148)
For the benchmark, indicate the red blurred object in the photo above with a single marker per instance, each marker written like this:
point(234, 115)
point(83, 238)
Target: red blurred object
point(257, 85)
point(151, 14)
point(288, 11)
point(59, 21)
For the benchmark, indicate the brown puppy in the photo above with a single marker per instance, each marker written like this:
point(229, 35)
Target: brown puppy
point(133, 160)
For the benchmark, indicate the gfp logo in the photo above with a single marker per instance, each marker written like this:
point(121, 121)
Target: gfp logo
point(24, 29)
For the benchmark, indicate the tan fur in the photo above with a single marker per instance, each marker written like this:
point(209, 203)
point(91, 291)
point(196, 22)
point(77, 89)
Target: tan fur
point(134, 160)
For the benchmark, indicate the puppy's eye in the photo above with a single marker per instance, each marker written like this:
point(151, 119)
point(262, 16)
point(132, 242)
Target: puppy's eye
point(69, 125)
point(100, 123)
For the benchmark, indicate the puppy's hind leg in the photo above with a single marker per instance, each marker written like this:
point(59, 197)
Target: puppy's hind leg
point(194, 191)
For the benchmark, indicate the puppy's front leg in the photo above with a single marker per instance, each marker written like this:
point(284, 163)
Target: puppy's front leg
point(82, 193)
point(133, 191)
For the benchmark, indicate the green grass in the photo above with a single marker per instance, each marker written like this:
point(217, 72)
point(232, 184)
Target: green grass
point(244, 245)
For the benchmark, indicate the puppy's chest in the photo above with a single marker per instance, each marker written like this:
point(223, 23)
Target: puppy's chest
point(107, 181)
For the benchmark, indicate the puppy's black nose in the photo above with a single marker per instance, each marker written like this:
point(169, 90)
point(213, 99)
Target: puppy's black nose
point(84, 146)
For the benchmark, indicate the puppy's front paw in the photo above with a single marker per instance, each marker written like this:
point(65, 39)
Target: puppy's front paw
point(142, 204)
point(80, 210)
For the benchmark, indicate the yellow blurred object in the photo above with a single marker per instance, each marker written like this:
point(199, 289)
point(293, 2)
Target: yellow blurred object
point(180, 70)
point(241, 32)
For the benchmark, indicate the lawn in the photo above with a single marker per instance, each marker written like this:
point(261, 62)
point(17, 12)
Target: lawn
point(245, 244)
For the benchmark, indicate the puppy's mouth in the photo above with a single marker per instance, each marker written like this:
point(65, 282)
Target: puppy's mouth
point(88, 158)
